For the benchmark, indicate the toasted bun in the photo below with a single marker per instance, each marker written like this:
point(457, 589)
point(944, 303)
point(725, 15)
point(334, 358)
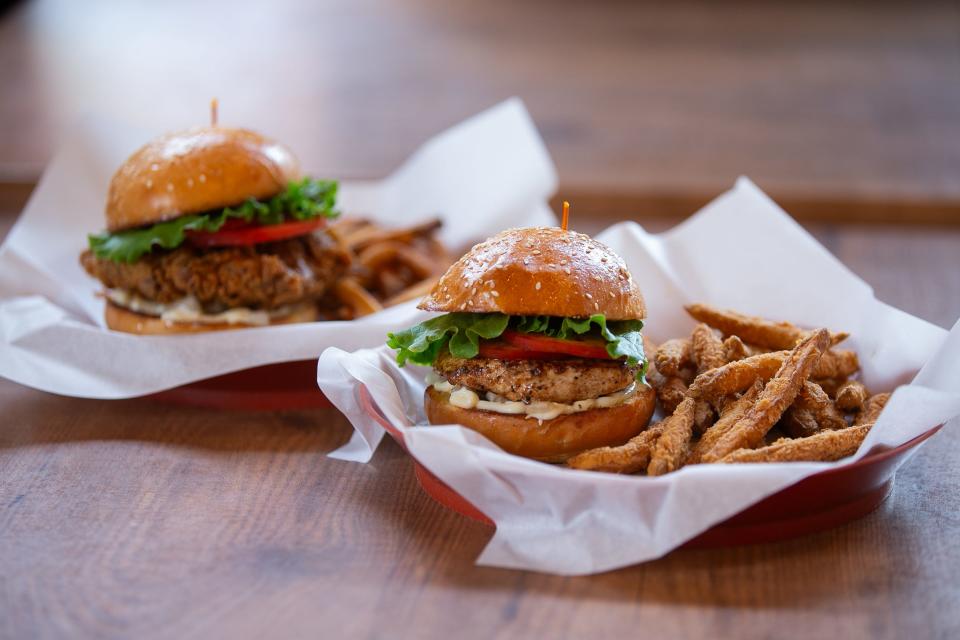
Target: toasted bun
point(193, 171)
point(120, 319)
point(552, 440)
point(539, 271)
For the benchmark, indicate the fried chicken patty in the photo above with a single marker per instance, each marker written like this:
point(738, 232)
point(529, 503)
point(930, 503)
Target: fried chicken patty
point(263, 276)
point(526, 380)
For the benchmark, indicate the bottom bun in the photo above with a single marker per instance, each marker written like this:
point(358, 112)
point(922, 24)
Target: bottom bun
point(120, 319)
point(551, 440)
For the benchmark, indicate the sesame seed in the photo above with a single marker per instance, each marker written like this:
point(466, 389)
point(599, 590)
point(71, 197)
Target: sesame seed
point(589, 297)
point(495, 294)
point(613, 295)
point(536, 252)
point(603, 258)
point(567, 269)
point(563, 262)
point(537, 287)
point(526, 261)
point(596, 306)
point(463, 306)
point(203, 177)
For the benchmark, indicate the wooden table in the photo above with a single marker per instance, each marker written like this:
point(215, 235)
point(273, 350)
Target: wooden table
point(845, 108)
point(137, 519)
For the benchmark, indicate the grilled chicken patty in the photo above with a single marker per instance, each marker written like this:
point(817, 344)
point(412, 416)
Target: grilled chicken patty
point(264, 276)
point(546, 380)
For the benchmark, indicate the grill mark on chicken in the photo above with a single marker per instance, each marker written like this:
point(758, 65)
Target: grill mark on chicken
point(545, 380)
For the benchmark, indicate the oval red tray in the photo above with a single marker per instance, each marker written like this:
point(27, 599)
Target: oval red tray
point(285, 385)
point(816, 503)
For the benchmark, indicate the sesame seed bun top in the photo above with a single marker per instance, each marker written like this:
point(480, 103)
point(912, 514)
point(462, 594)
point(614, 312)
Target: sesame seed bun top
point(539, 271)
point(194, 171)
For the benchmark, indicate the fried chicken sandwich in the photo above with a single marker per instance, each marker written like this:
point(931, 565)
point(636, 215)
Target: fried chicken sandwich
point(214, 228)
point(539, 348)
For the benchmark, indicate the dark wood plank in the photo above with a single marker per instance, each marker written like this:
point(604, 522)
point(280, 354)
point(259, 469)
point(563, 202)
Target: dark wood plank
point(838, 109)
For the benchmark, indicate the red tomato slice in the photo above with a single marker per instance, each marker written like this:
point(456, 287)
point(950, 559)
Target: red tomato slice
point(538, 342)
point(503, 351)
point(238, 233)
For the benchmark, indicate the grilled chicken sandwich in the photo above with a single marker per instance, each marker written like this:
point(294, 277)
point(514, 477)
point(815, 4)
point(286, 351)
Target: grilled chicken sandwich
point(213, 228)
point(540, 348)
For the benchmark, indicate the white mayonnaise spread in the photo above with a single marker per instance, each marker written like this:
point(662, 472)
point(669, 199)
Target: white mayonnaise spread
point(468, 399)
point(188, 310)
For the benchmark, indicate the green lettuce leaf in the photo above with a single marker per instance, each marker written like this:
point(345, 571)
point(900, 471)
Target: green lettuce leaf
point(423, 343)
point(302, 200)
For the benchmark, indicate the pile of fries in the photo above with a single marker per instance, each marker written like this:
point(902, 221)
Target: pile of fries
point(746, 389)
point(388, 266)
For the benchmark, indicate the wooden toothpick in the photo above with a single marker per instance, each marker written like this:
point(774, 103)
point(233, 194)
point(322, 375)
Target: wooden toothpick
point(213, 112)
point(565, 221)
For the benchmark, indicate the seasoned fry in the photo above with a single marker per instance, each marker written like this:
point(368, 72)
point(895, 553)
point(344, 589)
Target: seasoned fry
point(627, 458)
point(837, 363)
point(391, 265)
point(830, 385)
point(706, 349)
point(358, 233)
point(851, 395)
point(825, 446)
point(703, 416)
point(742, 394)
point(671, 393)
point(673, 445)
point(734, 349)
point(871, 409)
point(355, 296)
point(731, 415)
point(376, 256)
point(777, 395)
point(672, 356)
point(736, 376)
point(814, 399)
point(800, 423)
point(752, 329)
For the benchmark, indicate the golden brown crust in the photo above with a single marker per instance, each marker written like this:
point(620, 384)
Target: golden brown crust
point(672, 356)
point(776, 396)
point(673, 445)
point(752, 329)
point(539, 271)
point(631, 457)
point(120, 319)
point(193, 171)
point(851, 395)
point(825, 446)
point(552, 440)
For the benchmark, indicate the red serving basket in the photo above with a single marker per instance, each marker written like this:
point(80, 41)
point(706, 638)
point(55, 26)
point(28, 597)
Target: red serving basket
point(272, 387)
point(816, 503)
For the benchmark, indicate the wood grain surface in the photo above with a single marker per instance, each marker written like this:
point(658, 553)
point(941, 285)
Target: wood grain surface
point(840, 110)
point(134, 519)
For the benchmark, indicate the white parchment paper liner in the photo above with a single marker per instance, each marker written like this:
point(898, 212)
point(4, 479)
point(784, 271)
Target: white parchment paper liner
point(741, 252)
point(479, 176)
